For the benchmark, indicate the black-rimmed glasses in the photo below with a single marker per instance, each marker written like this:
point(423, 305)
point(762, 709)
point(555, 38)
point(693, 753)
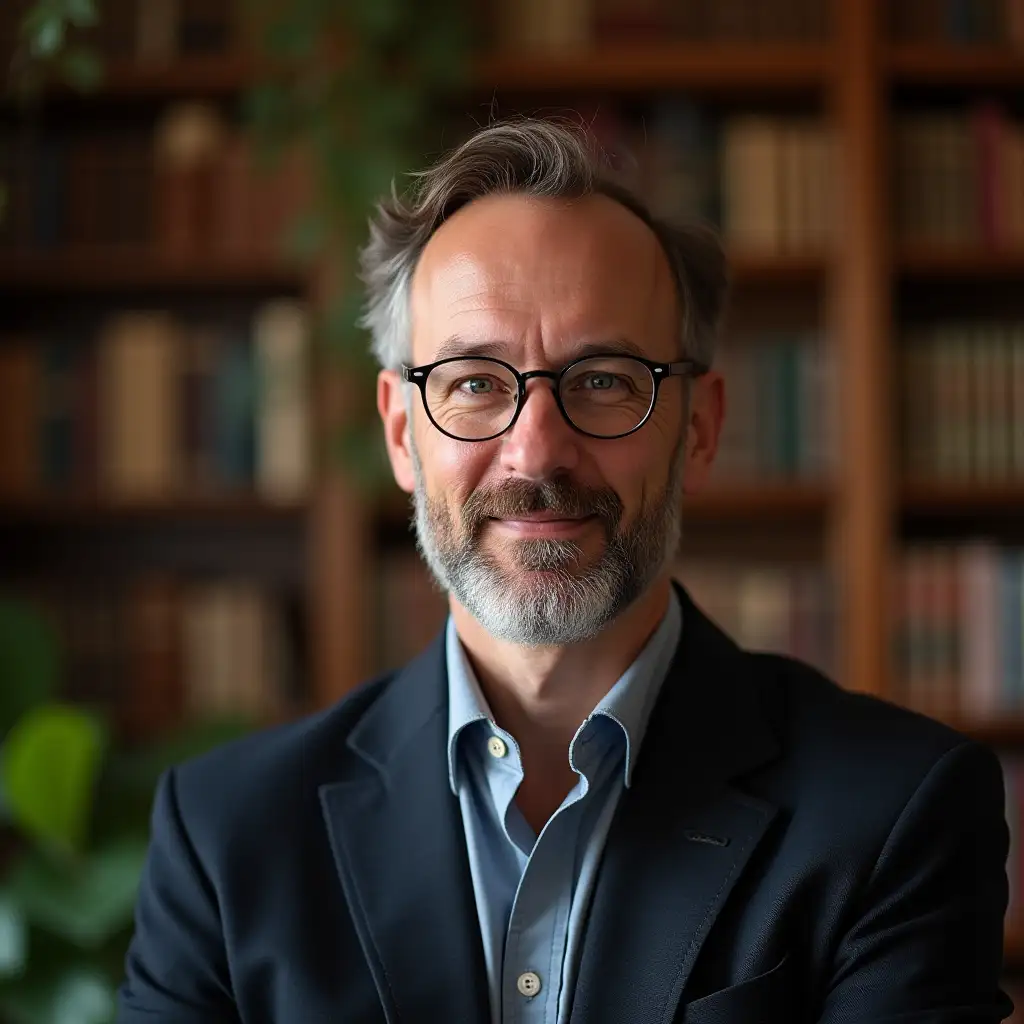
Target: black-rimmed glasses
point(477, 398)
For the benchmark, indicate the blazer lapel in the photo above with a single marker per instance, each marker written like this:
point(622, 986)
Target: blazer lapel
point(681, 836)
point(399, 847)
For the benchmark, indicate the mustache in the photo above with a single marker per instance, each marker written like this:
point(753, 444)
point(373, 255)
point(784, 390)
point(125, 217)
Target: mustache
point(560, 496)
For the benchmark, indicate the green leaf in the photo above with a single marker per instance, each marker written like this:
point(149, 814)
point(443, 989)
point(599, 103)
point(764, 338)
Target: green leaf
point(87, 901)
point(29, 661)
point(13, 938)
point(76, 995)
point(82, 69)
point(81, 12)
point(46, 36)
point(48, 768)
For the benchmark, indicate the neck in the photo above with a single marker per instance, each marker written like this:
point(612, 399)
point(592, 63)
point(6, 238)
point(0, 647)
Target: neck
point(541, 695)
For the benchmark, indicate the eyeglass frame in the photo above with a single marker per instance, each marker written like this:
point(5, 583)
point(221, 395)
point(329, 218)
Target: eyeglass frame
point(659, 371)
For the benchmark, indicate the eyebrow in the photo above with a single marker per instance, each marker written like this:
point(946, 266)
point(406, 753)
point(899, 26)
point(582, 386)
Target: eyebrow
point(455, 345)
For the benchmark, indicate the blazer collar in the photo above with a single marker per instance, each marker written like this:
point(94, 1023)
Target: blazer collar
point(680, 838)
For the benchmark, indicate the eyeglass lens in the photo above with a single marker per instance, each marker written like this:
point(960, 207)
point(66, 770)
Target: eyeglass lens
point(605, 396)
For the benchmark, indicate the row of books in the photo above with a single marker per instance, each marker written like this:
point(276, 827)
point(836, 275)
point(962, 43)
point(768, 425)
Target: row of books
point(192, 186)
point(780, 422)
point(768, 182)
point(156, 650)
point(154, 407)
point(142, 30)
point(959, 629)
point(963, 402)
point(957, 21)
point(567, 25)
point(783, 607)
point(959, 178)
point(775, 607)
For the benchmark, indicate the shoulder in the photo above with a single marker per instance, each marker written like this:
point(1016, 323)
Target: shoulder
point(268, 776)
point(841, 744)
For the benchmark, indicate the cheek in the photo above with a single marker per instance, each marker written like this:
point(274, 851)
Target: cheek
point(453, 469)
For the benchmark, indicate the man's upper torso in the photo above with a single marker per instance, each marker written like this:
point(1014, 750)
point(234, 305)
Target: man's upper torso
point(786, 851)
point(533, 890)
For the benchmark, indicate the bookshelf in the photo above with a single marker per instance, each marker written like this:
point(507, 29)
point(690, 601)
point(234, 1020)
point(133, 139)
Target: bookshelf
point(857, 79)
point(728, 68)
point(125, 270)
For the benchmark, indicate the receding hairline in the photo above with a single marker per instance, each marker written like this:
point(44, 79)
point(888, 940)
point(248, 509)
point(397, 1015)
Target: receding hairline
point(538, 159)
point(661, 273)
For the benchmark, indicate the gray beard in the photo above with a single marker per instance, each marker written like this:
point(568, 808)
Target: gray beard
point(545, 597)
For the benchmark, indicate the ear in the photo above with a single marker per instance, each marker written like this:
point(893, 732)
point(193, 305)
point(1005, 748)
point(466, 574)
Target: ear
point(704, 426)
point(393, 414)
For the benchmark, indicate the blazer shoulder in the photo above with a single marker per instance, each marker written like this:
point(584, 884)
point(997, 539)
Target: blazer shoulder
point(830, 731)
point(274, 767)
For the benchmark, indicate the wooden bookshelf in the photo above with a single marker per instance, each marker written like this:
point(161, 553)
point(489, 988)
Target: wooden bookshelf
point(209, 76)
point(235, 508)
point(945, 66)
point(635, 68)
point(1013, 946)
point(953, 263)
point(1004, 731)
point(966, 499)
point(124, 269)
point(781, 268)
point(642, 68)
point(778, 501)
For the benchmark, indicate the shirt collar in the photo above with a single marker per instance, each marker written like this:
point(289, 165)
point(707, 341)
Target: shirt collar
point(629, 702)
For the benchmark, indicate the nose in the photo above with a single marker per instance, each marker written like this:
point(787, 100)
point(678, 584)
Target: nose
point(540, 445)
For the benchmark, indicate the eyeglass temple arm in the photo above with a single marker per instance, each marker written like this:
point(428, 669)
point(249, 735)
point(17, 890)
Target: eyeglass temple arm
point(687, 368)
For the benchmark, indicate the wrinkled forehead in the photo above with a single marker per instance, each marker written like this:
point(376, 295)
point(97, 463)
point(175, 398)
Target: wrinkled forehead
point(550, 272)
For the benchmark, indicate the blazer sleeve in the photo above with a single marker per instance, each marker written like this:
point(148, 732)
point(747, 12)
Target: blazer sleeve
point(176, 969)
point(925, 938)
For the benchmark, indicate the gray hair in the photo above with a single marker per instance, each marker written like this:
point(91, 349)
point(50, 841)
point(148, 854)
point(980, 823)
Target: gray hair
point(537, 158)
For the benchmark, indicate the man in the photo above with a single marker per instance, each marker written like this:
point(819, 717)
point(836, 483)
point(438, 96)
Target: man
point(583, 804)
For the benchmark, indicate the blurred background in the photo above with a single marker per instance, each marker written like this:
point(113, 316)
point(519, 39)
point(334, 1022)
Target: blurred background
point(198, 532)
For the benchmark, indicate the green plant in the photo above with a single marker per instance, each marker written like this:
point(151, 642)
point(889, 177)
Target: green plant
point(74, 809)
point(359, 85)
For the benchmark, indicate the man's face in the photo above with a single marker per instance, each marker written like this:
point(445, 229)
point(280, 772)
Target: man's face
point(544, 534)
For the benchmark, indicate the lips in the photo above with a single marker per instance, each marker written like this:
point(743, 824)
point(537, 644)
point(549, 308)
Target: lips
point(541, 517)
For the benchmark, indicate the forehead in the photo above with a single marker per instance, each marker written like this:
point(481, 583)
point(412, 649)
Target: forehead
point(553, 273)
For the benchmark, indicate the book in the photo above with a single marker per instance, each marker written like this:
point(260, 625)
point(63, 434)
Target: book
point(283, 443)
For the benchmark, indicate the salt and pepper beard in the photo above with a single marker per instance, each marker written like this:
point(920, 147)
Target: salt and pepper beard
point(546, 596)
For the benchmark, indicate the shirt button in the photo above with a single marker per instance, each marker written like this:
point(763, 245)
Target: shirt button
point(528, 984)
point(496, 747)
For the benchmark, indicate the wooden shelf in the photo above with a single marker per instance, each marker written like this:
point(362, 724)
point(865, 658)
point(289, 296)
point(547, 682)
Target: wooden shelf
point(768, 268)
point(759, 501)
point(715, 68)
point(108, 269)
point(77, 511)
point(631, 68)
point(1004, 731)
point(981, 66)
point(1013, 944)
point(209, 76)
point(920, 261)
point(957, 499)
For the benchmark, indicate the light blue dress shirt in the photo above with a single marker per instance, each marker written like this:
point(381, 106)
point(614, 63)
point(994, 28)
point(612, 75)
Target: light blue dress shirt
point(533, 892)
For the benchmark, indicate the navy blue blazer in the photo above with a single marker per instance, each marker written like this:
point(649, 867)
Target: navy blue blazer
point(827, 857)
